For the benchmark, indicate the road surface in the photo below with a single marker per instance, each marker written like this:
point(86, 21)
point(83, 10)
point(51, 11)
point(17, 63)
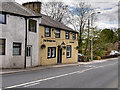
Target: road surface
point(96, 75)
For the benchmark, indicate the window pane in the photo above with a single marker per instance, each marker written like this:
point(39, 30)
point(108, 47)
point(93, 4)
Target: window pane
point(16, 48)
point(57, 33)
point(67, 35)
point(32, 25)
point(2, 46)
point(53, 52)
point(68, 48)
point(74, 36)
point(47, 32)
point(16, 51)
point(49, 52)
point(2, 18)
point(1, 49)
point(68, 51)
point(68, 54)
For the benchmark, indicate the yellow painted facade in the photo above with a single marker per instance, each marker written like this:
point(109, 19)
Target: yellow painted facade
point(43, 52)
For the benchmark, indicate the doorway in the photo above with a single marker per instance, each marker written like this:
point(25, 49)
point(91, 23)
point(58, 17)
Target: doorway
point(59, 58)
point(29, 56)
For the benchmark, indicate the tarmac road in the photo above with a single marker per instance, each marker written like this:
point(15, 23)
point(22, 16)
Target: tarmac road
point(96, 75)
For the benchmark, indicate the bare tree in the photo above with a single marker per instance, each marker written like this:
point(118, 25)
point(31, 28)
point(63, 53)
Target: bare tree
point(78, 18)
point(55, 10)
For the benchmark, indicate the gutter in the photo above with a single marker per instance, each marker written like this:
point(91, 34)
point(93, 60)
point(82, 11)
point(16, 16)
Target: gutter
point(25, 42)
point(14, 14)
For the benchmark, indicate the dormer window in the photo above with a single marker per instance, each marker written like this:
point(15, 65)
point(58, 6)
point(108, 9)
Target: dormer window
point(32, 25)
point(2, 18)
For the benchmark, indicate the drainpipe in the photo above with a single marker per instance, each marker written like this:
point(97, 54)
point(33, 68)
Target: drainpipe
point(26, 18)
point(25, 41)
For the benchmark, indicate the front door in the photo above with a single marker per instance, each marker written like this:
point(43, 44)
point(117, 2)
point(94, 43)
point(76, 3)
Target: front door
point(29, 56)
point(59, 58)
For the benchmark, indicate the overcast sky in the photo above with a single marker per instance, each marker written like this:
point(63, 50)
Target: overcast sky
point(108, 8)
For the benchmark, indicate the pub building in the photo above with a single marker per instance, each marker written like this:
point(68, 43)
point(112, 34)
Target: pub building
point(57, 42)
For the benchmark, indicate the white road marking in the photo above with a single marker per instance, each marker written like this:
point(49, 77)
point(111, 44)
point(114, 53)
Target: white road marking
point(89, 66)
point(38, 81)
point(32, 84)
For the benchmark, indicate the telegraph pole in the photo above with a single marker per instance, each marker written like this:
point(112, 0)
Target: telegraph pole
point(92, 36)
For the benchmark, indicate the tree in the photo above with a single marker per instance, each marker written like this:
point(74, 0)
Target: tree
point(77, 18)
point(56, 10)
point(108, 35)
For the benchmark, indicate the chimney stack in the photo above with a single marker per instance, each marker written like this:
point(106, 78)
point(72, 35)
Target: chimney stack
point(35, 6)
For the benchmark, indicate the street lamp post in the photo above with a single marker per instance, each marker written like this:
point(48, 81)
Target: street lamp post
point(92, 15)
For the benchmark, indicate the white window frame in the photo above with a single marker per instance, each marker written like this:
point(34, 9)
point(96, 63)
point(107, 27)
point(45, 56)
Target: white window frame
point(57, 31)
point(67, 35)
point(47, 32)
point(69, 46)
point(19, 47)
point(74, 36)
point(51, 52)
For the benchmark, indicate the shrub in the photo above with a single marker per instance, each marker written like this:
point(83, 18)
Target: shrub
point(98, 57)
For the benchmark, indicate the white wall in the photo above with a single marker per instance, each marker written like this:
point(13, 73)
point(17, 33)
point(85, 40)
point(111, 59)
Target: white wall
point(33, 39)
point(13, 31)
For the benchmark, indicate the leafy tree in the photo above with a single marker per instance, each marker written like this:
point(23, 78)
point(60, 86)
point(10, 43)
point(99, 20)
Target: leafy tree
point(108, 35)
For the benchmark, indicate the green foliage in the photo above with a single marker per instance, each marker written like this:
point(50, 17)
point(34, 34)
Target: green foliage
point(108, 36)
point(101, 41)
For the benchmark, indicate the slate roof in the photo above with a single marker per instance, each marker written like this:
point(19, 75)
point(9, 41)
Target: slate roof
point(13, 7)
point(48, 21)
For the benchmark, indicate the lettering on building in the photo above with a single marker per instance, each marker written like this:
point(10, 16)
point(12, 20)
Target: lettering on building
point(49, 40)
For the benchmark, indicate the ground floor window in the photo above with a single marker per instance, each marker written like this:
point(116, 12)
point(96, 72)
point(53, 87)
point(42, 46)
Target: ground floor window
point(68, 51)
point(16, 48)
point(2, 46)
point(51, 52)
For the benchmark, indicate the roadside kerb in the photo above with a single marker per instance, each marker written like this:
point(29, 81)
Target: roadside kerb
point(54, 66)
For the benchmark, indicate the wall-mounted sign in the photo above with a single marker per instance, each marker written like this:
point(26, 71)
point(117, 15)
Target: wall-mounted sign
point(45, 40)
point(71, 42)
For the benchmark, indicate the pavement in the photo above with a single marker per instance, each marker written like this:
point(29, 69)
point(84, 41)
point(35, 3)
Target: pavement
point(94, 74)
point(11, 71)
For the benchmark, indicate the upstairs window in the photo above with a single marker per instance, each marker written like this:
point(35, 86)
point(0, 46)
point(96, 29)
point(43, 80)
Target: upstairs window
point(2, 46)
point(2, 18)
point(32, 25)
point(47, 32)
point(57, 33)
point(67, 35)
point(74, 36)
point(16, 49)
